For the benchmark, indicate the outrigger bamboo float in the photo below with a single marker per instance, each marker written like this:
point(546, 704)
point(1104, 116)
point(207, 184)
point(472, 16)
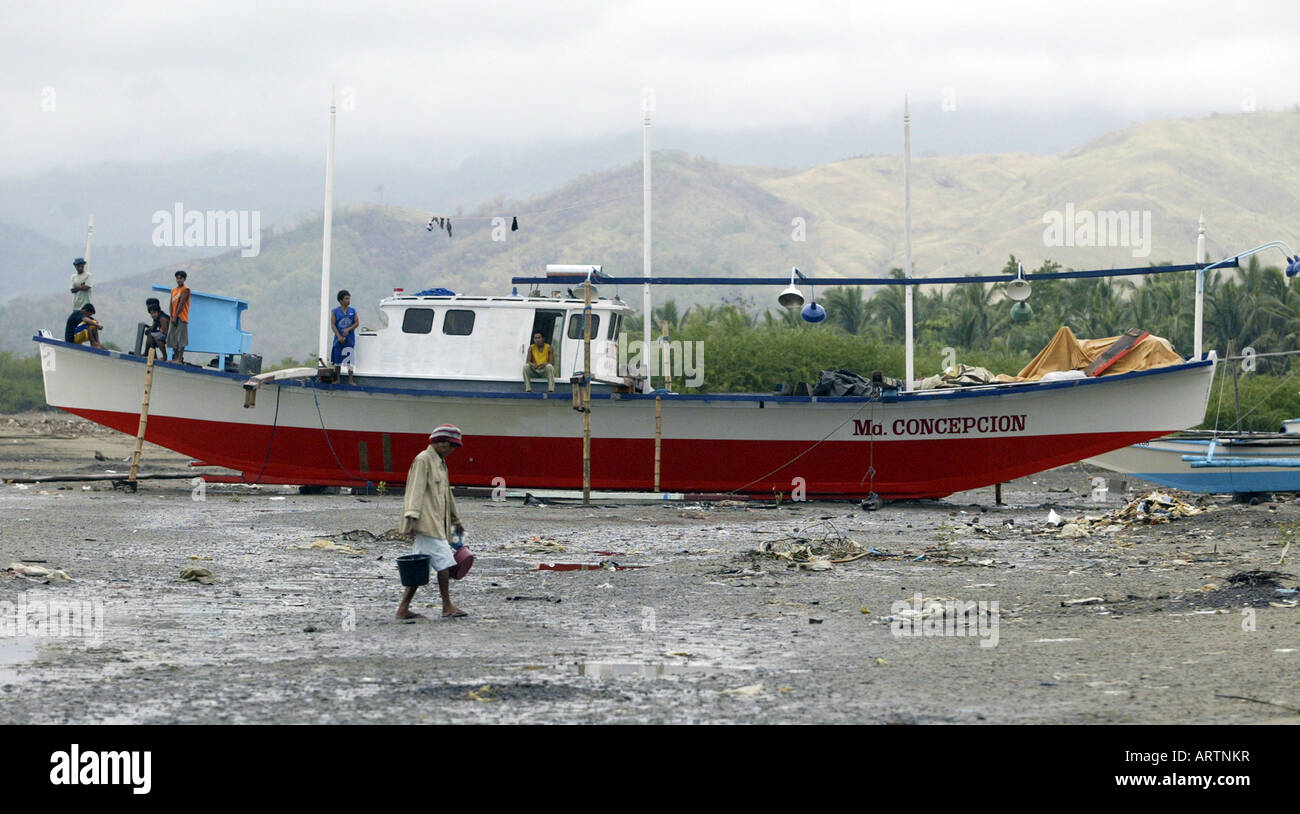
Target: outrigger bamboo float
point(455, 358)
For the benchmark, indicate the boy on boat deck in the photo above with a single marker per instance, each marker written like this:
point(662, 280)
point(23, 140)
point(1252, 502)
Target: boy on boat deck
point(81, 327)
point(429, 515)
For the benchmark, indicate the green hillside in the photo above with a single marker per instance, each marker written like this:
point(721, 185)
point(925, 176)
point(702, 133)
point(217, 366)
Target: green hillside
point(969, 214)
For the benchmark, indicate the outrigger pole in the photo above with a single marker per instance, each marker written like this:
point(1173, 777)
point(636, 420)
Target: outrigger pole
point(600, 277)
point(325, 343)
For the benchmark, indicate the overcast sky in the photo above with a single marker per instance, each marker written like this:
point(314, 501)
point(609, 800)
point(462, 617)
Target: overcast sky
point(433, 82)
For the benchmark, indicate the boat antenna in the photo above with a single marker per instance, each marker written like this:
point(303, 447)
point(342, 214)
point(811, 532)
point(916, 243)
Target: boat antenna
point(325, 248)
point(647, 107)
point(910, 361)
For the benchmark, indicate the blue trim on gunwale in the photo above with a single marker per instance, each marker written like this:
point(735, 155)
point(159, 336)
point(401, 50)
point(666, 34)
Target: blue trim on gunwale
point(920, 396)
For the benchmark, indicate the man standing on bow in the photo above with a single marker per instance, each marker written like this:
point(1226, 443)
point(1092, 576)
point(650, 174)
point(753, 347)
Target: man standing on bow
point(429, 516)
point(80, 284)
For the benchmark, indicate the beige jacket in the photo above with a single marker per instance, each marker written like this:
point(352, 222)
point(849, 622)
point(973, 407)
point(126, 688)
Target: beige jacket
point(429, 502)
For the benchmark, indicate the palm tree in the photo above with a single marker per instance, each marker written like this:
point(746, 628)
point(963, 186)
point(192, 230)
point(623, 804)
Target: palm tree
point(847, 308)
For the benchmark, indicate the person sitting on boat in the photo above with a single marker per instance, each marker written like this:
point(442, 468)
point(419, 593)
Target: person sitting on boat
point(155, 335)
point(82, 328)
point(539, 360)
point(178, 335)
point(344, 325)
point(429, 515)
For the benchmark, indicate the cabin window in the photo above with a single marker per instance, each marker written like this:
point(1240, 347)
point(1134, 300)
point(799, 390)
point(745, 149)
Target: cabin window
point(614, 324)
point(575, 326)
point(458, 323)
point(417, 321)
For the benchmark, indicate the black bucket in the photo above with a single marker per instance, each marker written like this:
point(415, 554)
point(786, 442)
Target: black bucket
point(414, 569)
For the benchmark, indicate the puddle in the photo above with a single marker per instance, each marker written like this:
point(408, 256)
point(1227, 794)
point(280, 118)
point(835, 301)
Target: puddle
point(632, 669)
point(19, 650)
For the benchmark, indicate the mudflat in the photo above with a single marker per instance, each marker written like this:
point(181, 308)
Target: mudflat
point(737, 614)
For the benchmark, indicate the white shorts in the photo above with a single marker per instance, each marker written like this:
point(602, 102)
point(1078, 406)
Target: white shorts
point(439, 551)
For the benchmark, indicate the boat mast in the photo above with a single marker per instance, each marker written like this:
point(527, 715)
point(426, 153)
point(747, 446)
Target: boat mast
point(1200, 287)
point(907, 245)
point(647, 107)
point(90, 232)
point(325, 343)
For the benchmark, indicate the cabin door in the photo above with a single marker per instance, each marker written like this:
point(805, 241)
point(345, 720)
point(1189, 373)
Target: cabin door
point(551, 326)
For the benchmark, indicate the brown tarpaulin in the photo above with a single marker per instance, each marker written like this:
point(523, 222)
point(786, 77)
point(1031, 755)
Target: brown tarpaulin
point(1066, 352)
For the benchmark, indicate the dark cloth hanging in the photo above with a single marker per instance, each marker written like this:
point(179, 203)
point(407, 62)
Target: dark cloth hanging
point(441, 222)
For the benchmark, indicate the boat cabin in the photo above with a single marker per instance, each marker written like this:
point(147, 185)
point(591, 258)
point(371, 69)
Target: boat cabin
point(478, 343)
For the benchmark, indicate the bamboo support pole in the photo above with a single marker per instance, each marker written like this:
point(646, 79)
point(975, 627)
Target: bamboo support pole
point(659, 432)
point(144, 416)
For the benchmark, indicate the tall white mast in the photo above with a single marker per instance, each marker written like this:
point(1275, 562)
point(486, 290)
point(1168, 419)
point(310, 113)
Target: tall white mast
point(907, 244)
point(325, 343)
point(647, 107)
point(1200, 287)
point(90, 233)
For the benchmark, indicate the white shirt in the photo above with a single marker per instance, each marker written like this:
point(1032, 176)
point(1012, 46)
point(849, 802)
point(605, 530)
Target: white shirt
point(81, 297)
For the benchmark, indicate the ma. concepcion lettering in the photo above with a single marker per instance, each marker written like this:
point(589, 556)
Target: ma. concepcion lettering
point(957, 425)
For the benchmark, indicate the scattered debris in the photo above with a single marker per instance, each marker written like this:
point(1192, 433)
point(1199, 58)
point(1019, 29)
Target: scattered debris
point(1257, 577)
point(555, 599)
point(538, 545)
point(485, 693)
point(1293, 710)
point(200, 575)
point(603, 565)
point(330, 545)
point(360, 535)
point(748, 691)
point(38, 572)
point(1087, 600)
point(816, 553)
point(1150, 509)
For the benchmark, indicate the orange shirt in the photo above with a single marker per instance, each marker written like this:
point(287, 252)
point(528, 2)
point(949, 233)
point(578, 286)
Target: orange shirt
point(180, 310)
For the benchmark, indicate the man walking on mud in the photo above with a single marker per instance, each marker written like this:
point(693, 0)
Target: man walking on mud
point(429, 516)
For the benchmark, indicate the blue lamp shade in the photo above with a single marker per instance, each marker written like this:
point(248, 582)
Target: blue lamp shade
point(812, 312)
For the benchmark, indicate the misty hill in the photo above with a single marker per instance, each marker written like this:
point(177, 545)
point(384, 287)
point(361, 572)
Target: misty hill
point(969, 213)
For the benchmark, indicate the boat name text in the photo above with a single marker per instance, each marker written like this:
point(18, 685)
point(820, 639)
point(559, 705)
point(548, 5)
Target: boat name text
point(957, 425)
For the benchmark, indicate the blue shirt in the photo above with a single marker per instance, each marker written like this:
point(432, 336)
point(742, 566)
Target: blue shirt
point(342, 321)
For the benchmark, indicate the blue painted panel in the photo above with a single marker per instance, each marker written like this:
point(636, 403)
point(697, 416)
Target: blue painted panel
point(214, 322)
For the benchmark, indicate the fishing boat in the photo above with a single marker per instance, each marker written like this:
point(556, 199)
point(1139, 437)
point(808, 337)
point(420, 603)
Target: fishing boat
point(1245, 463)
point(455, 358)
point(444, 357)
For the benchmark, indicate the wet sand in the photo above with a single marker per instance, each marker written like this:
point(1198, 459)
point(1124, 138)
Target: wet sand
point(287, 633)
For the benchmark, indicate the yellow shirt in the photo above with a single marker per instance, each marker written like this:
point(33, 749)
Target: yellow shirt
point(539, 356)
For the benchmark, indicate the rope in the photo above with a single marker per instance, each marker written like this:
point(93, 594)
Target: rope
point(275, 422)
point(330, 443)
point(801, 454)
